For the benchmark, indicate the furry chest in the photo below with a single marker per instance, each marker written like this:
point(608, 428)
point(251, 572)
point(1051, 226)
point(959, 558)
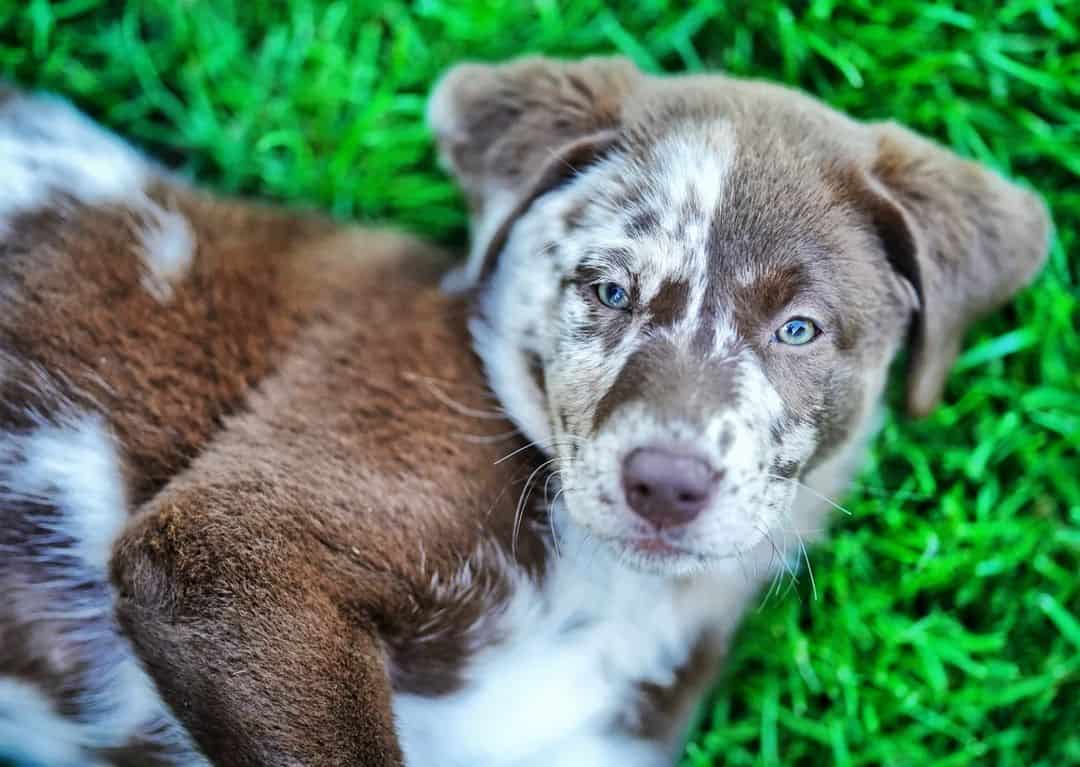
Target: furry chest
point(564, 683)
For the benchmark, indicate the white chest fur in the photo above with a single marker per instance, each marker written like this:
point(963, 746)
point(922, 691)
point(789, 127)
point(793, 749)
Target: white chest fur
point(572, 654)
point(574, 650)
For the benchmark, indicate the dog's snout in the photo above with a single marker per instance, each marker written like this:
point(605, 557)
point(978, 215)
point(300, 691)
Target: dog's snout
point(667, 488)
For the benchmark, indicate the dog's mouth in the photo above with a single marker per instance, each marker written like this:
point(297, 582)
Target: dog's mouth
point(653, 545)
point(664, 512)
point(657, 553)
point(720, 534)
point(660, 553)
point(656, 547)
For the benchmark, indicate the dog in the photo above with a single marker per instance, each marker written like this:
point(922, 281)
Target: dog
point(685, 294)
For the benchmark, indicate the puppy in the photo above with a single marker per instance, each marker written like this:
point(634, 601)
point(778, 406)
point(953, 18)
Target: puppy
point(685, 293)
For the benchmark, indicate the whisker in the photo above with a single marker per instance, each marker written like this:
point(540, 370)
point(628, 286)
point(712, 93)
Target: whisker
point(482, 391)
point(547, 482)
point(880, 492)
point(551, 524)
point(742, 564)
point(786, 568)
point(812, 491)
point(519, 513)
point(522, 449)
point(783, 558)
point(554, 442)
point(444, 398)
point(778, 573)
point(809, 567)
point(487, 439)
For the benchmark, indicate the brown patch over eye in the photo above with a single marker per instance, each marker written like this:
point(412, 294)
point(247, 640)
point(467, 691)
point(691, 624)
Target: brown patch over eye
point(769, 296)
point(777, 288)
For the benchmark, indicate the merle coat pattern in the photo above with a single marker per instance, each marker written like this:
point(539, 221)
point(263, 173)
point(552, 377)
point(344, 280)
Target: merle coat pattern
point(339, 550)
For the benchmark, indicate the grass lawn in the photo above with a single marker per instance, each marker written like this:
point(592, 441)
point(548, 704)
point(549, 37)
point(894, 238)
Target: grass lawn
point(945, 629)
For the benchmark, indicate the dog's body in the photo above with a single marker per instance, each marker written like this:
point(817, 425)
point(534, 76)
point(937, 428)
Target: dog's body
point(343, 554)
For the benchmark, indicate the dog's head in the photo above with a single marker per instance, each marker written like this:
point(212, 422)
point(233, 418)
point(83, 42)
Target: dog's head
point(692, 287)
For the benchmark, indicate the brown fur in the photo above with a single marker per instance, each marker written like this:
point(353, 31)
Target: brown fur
point(165, 374)
point(279, 586)
point(312, 450)
point(275, 588)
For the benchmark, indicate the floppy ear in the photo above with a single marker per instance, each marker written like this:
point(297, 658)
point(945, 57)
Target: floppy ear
point(512, 131)
point(963, 236)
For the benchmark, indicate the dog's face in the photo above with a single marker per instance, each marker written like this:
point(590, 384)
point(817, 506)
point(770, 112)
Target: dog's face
point(692, 288)
point(705, 325)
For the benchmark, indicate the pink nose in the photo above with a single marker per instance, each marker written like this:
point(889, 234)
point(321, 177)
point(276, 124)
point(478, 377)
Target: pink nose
point(667, 489)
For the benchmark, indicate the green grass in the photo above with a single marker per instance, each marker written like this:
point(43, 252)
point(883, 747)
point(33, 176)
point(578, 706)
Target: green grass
point(946, 626)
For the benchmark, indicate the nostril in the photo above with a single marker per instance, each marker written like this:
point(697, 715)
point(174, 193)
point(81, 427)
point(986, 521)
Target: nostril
point(667, 488)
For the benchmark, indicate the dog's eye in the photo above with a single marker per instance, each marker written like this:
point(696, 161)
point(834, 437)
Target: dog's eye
point(797, 331)
point(613, 296)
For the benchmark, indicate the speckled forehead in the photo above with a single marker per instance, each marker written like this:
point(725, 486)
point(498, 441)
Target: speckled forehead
point(655, 201)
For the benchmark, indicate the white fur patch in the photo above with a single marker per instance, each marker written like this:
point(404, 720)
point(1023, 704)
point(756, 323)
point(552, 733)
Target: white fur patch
point(167, 245)
point(73, 467)
point(51, 155)
point(574, 651)
point(69, 467)
point(497, 207)
point(31, 731)
point(47, 147)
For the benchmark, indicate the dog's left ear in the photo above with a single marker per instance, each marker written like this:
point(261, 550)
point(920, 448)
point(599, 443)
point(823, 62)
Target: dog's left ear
point(510, 132)
point(964, 237)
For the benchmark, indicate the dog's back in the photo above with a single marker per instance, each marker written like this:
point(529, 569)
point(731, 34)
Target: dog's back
point(135, 318)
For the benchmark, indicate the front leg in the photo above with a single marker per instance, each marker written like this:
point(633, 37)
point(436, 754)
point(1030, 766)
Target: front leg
point(255, 659)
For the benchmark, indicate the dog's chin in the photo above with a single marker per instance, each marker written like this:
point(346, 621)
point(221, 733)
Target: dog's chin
point(661, 560)
point(658, 555)
point(667, 553)
point(674, 556)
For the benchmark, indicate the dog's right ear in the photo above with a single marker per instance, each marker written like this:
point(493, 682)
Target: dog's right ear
point(510, 132)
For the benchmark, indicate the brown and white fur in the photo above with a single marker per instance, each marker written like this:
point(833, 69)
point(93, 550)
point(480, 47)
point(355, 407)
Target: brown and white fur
point(336, 557)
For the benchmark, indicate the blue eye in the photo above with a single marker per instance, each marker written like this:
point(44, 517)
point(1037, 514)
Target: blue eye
point(613, 296)
point(797, 331)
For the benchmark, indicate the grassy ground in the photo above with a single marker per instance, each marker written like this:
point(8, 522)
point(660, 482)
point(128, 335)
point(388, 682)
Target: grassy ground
point(946, 624)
